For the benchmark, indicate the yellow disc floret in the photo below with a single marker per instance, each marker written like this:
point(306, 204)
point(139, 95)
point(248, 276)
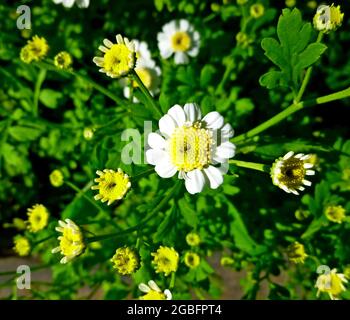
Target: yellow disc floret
point(112, 185)
point(38, 217)
point(145, 76)
point(335, 214)
point(192, 260)
point(181, 41)
point(328, 18)
point(257, 10)
point(193, 239)
point(71, 240)
point(165, 260)
point(22, 246)
point(63, 60)
point(190, 147)
point(125, 260)
point(56, 178)
point(152, 292)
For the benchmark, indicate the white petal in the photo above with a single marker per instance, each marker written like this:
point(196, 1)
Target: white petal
point(107, 43)
point(156, 141)
point(194, 51)
point(215, 177)
point(225, 150)
point(178, 114)
point(181, 58)
point(144, 288)
point(184, 25)
point(165, 168)
point(167, 125)
point(153, 156)
point(288, 155)
point(227, 131)
point(168, 294)
point(192, 112)
point(153, 286)
point(194, 181)
point(83, 3)
point(214, 120)
point(68, 3)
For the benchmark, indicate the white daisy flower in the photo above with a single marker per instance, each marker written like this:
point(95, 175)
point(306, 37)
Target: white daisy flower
point(289, 172)
point(331, 283)
point(191, 145)
point(152, 292)
point(146, 69)
point(178, 38)
point(70, 3)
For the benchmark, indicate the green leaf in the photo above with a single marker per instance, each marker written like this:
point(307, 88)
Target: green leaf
point(292, 52)
point(22, 134)
point(206, 76)
point(49, 98)
point(188, 212)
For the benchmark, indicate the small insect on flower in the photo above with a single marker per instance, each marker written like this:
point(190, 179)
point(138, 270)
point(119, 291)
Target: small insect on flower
point(70, 3)
point(192, 260)
point(296, 253)
point(119, 58)
point(192, 146)
point(178, 38)
point(71, 240)
point(152, 292)
point(335, 214)
point(36, 49)
point(257, 10)
point(38, 217)
point(56, 178)
point(328, 18)
point(166, 260)
point(289, 172)
point(22, 246)
point(112, 185)
point(193, 239)
point(126, 260)
point(331, 283)
point(63, 60)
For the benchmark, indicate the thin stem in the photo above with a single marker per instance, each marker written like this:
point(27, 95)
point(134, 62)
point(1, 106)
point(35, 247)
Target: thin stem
point(307, 76)
point(230, 66)
point(38, 84)
point(250, 165)
point(82, 192)
point(172, 280)
point(153, 213)
point(146, 93)
point(269, 123)
point(36, 268)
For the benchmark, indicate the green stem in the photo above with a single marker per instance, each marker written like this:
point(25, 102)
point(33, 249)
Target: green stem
point(38, 84)
point(290, 110)
point(153, 213)
point(307, 76)
point(146, 93)
point(230, 66)
point(36, 268)
point(82, 192)
point(251, 165)
point(172, 280)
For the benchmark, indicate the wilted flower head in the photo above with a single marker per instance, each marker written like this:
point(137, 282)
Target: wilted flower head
point(192, 260)
point(296, 252)
point(125, 260)
point(119, 58)
point(112, 185)
point(152, 292)
point(257, 10)
point(71, 240)
point(289, 172)
point(331, 283)
point(328, 18)
point(193, 239)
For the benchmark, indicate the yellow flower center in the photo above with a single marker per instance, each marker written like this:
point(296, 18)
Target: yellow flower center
point(118, 59)
point(292, 173)
point(166, 260)
point(125, 261)
point(145, 76)
point(38, 217)
point(192, 259)
point(181, 41)
point(190, 148)
point(153, 295)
